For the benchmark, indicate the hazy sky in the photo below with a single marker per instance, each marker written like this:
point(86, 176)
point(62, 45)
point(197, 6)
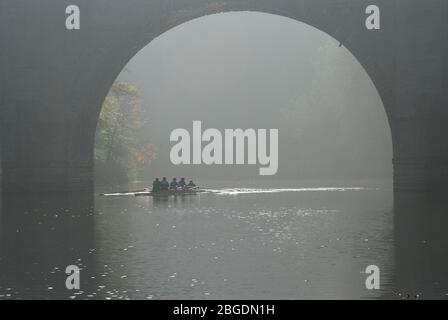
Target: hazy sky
point(254, 70)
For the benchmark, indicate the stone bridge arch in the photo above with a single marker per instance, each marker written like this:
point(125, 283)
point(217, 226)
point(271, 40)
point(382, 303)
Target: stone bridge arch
point(55, 80)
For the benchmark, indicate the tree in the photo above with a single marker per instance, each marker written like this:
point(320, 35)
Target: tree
point(122, 148)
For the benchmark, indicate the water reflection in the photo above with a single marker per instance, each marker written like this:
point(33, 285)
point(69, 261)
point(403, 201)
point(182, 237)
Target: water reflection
point(228, 245)
point(40, 236)
point(288, 245)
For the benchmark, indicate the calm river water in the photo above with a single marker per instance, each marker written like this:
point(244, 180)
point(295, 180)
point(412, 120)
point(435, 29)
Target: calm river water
point(282, 242)
point(237, 241)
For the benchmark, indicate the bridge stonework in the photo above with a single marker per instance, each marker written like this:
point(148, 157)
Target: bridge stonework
point(53, 80)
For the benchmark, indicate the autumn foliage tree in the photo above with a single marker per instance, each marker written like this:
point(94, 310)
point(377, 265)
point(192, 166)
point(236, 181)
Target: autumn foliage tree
point(122, 149)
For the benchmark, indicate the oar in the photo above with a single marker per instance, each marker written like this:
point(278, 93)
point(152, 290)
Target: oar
point(135, 191)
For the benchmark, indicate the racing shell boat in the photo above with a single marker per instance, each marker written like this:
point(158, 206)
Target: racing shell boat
point(171, 192)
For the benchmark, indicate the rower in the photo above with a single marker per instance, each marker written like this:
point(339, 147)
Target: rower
point(174, 184)
point(164, 185)
point(191, 184)
point(182, 184)
point(156, 185)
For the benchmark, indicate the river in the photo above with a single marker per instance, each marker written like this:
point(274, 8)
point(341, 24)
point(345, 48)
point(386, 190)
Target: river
point(283, 240)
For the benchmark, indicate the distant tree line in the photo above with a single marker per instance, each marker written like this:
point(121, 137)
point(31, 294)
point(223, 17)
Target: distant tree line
point(337, 123)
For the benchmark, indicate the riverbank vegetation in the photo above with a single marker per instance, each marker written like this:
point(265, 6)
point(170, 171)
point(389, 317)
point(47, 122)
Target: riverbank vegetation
point(123, 149)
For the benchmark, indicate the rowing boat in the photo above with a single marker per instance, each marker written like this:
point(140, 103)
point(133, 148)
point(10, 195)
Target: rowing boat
point(167, 193)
